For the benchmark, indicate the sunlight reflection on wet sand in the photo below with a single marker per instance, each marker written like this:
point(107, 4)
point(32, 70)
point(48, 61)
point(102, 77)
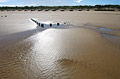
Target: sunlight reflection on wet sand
point(51, 56)
point(55, 53)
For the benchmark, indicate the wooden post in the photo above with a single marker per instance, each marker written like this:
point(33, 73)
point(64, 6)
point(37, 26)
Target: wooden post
point(42, 25)
point(50, 25)
point(38, 24)
point(58, 24)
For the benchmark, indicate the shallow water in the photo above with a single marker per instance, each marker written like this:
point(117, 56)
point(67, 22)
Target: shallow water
point(105, 29)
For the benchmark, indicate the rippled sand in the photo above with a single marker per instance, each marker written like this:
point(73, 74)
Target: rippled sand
point(90, 49)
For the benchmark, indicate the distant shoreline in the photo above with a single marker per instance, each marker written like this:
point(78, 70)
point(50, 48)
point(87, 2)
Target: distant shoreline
point(62, 8)
point(112, 10)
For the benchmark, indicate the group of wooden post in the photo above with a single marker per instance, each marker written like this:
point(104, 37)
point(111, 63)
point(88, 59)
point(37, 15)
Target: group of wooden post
point(42, 25)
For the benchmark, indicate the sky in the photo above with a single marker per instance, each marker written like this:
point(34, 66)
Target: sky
point(56, 2)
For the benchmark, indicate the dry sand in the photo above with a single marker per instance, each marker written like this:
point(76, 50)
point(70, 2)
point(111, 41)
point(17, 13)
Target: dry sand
point(88, 50)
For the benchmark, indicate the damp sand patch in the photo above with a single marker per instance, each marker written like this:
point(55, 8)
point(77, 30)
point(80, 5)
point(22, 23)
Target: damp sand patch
point(114, 39)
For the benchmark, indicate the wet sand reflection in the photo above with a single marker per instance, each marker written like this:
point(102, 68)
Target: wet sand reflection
point(82, 52)
point(60, 53)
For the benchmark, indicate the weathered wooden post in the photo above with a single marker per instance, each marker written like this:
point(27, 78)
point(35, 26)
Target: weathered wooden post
point(38, 24)
point(50, 25)
point(58, 24)
point(42, 25)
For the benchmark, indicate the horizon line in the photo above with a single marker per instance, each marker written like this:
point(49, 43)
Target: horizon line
point(52, 5)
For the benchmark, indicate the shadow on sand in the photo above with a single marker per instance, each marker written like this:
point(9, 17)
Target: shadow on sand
point(16, 37)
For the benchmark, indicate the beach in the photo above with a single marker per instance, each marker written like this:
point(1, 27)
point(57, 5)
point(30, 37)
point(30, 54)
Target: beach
point(88, 49)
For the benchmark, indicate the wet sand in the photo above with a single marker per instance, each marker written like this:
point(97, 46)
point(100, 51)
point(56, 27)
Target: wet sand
point(89, 49)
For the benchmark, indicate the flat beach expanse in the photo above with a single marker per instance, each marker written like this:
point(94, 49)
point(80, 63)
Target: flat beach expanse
point(88, 49)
